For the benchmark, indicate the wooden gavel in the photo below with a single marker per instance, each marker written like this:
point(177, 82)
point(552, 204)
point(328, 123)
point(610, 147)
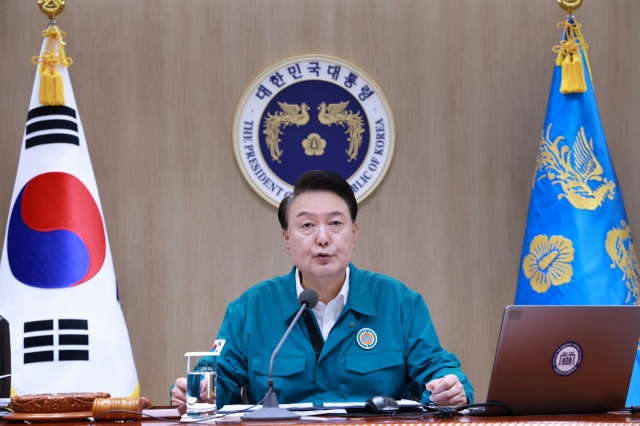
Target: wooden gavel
point(102, 405)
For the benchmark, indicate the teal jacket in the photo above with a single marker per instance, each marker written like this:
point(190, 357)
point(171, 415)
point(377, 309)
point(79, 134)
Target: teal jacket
point(407, 354)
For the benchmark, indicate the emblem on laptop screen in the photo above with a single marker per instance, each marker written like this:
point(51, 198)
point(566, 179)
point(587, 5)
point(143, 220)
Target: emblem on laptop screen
point(313, 112)
point(567, 359)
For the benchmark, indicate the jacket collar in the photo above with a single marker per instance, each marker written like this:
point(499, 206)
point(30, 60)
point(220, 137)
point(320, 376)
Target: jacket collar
point(290, 303)
point(359, 298)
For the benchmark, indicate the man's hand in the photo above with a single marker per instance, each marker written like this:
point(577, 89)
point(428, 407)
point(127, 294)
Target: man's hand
point(179, 392)
point(447, 391)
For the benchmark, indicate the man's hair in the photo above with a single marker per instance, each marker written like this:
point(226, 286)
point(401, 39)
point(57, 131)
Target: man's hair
point(318, 180)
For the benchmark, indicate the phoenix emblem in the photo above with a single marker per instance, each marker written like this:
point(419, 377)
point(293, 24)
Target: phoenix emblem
point(573, 169)
point(620, 248)
point(291, 114)
point(336, 114)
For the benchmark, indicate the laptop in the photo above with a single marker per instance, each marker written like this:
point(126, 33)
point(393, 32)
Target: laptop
point(564, 359)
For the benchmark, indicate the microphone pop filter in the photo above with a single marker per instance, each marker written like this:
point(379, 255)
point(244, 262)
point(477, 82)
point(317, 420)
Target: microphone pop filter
point(309, 297)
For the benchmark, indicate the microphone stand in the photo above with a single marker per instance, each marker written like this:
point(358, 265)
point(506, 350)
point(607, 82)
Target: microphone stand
point(270, 408)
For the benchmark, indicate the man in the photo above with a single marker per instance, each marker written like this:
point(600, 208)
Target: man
point(377, 337)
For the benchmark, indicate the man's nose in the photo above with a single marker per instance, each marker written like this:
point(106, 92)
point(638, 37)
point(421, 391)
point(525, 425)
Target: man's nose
point(323, 237)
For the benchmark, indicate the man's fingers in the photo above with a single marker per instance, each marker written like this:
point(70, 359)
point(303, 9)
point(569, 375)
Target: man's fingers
point(181, 384)
point(204, 387)
point(442, 398)
point(446, 383)
point(432, 384)
point(177, 399)
point(447, 391)
point(179, 392)
point(444, 395)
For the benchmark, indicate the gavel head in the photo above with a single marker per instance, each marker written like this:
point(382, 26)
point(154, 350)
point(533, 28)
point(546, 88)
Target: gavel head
point(119, 409)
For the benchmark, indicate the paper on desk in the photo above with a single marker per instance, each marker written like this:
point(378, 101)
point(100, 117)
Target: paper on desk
point(308, 406)
point(321, 411)
point(303, 413)
point(238, 407)
point(402, 403)
point(304, 409)
point(204, 420)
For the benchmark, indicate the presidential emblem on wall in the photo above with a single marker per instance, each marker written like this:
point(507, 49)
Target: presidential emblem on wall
point(313, 112)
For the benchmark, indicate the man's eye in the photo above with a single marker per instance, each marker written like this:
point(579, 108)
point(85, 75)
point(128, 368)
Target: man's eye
point(336, 223)
point(306, 225)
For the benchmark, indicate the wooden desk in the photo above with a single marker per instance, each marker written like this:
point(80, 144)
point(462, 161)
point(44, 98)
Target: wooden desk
point(565, 420)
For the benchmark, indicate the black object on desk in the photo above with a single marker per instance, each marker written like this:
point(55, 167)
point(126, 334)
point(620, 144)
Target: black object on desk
point(5, 359)
point(381, 405)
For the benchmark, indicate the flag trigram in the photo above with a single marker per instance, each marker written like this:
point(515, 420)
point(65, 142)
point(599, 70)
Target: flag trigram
point(47, 125)
point(40, 340)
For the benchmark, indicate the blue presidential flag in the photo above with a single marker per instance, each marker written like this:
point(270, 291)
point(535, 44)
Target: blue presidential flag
point(578, 248)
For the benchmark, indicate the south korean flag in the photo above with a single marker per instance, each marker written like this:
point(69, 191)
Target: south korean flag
point(57, 282)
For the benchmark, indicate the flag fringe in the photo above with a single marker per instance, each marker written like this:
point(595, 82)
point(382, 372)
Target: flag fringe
point(570, 58)
point(51, 82)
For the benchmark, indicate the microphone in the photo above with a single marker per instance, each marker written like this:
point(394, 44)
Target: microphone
point(308, 296)
point(271, 410)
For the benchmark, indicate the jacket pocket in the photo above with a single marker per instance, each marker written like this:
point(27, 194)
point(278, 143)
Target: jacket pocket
point(367, 363)
point(282, 366)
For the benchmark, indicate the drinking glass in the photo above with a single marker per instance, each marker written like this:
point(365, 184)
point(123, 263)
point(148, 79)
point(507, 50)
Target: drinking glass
point(201, 384)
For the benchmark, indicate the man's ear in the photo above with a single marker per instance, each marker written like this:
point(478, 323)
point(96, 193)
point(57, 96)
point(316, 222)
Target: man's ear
point(285, 238)
point(355, 234)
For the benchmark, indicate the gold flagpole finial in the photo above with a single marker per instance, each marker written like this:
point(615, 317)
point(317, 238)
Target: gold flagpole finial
point(51, 8)
point(571, 51)
point(52, 56)
point(570, 5)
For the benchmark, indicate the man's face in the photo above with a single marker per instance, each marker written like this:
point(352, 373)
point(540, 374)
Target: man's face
point(320, 237)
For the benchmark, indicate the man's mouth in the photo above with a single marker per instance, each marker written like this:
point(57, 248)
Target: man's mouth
point(323, 256)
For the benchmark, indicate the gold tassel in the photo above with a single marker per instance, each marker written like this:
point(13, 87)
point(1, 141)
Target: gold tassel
point(569, 57)
point(578, 82)
point(51, 81)
point(45, 82)
point(58, 88)
point(567, 76)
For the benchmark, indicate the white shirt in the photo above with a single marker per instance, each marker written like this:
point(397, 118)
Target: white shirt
point(326, 315)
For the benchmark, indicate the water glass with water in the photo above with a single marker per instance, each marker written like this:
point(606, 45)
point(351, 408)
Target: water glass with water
point(201, 384)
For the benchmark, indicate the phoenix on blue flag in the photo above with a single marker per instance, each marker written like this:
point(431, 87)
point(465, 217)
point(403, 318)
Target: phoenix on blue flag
point(578, 248)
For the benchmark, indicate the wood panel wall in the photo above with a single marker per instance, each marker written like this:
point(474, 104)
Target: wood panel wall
point(157, 84)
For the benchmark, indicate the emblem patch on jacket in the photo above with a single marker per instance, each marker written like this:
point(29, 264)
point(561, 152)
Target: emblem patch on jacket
point(367, 338)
